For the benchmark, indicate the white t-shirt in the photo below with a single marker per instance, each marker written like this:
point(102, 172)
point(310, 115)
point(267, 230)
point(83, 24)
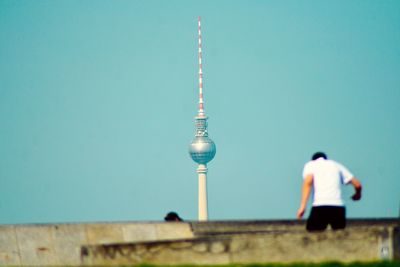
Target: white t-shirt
point(328, 176)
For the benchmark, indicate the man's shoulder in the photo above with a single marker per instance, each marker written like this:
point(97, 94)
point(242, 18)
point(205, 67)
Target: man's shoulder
point(311, 164)
point(333, 162)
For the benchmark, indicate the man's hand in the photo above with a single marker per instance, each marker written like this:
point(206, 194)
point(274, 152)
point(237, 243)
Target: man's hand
point(356, 196)
point(300, 213)
point(358, 187)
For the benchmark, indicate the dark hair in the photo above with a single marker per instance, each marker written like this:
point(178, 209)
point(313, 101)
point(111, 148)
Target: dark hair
point(172, 216)
point(319, 155)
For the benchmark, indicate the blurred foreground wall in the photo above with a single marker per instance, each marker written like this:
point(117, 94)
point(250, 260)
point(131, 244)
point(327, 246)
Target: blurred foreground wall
point(195, 243)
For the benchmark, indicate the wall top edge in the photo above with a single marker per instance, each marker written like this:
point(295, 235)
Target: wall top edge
point(350, 221)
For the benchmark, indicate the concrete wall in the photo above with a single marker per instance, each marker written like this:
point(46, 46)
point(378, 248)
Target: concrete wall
point(253, 248)
point(60, 244)
point(193, 242)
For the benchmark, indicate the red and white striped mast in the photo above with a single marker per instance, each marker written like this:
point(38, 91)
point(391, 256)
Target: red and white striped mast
point(201, 101)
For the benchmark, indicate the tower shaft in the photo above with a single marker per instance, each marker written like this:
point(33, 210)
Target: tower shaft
point(203, 205)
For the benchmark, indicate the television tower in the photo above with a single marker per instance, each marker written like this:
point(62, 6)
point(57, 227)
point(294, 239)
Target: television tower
point(202, 149)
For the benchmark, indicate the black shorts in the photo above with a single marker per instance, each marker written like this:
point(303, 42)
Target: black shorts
point(321, 216)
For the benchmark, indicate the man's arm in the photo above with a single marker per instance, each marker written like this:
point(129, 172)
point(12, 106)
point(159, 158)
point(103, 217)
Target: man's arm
point(358, 187)
point(306, 190)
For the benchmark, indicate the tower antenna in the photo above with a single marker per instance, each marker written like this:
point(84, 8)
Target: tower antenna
point(202, 149)
point(201, 100)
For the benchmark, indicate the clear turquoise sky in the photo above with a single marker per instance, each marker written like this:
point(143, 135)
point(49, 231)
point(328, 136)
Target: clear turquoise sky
point(98, 98)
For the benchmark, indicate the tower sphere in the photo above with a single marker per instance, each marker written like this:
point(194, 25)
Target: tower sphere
point(202, 149)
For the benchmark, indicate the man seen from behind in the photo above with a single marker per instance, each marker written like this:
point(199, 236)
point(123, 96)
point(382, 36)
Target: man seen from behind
point(324, 177)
